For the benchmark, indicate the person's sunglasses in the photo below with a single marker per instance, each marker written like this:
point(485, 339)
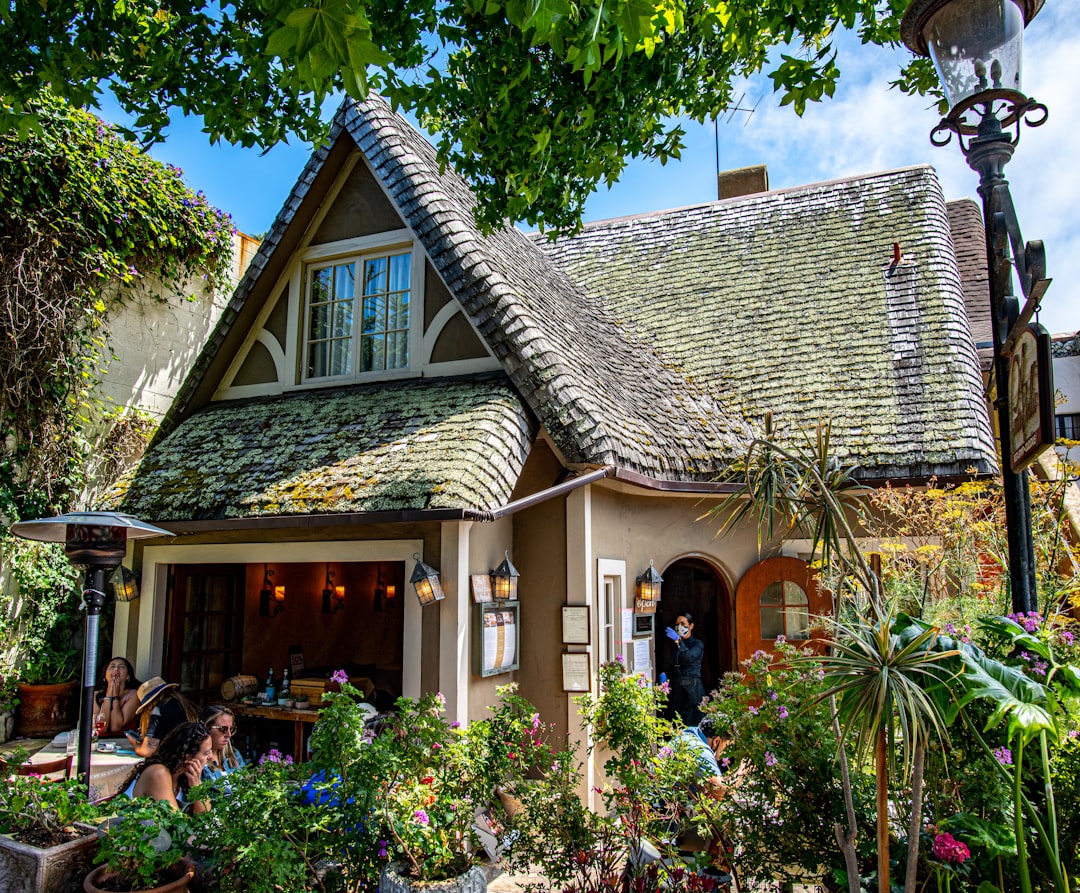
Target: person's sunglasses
point(225, 730)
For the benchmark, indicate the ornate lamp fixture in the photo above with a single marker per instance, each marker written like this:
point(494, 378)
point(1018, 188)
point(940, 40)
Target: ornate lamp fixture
point(976, 48)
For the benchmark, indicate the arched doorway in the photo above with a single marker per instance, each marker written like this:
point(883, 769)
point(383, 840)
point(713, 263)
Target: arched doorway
point(694, 585)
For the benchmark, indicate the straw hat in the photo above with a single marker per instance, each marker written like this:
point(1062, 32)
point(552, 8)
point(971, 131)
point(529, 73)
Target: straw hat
point(150, 689)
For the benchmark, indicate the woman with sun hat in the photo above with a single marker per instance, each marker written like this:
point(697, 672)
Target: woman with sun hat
point(161, 709)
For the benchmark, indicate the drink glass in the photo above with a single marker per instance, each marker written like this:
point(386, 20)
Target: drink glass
point(72, 745)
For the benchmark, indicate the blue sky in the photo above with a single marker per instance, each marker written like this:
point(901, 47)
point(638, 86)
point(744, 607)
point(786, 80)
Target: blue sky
point(866, 127)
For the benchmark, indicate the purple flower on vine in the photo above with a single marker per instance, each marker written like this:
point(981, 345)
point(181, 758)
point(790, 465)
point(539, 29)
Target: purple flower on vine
point(1004, 756)
point(770, 759)
point(340, 677)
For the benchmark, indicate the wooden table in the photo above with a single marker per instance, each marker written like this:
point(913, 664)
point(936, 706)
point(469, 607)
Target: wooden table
point(299, 718)
point(108, 771)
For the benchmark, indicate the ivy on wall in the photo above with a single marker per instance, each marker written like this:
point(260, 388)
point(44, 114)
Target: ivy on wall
point(87, 221)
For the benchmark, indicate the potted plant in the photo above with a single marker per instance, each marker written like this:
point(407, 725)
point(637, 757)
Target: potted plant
point(143, 849)
point(46, 842)
point(47, 690)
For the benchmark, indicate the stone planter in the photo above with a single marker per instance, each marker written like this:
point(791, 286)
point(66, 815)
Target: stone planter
point(7, 725)
point(45, 710)
point(180, 877)
point(57, 869)
point(394, 880)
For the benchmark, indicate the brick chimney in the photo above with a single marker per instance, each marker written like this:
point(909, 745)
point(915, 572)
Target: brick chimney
point(742, 181)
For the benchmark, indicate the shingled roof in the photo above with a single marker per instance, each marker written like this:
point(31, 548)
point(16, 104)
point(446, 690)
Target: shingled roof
point(647, 343)
point(420, 444)
point(790, 301)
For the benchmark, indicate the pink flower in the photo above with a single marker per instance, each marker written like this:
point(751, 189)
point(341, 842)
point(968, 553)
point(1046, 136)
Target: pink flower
point(665, 687)
point(1004, 756)
point(770, 759)
point(782, 712)
point(421, 816)
point(340, 677)
point(752, 709)
point(948, 849)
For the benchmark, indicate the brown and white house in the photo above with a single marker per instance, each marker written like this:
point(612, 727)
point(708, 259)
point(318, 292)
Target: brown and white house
point(389, 385)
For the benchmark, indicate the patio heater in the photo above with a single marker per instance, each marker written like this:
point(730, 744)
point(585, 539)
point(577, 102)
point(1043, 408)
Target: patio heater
point(976, 48)
point(95, 543)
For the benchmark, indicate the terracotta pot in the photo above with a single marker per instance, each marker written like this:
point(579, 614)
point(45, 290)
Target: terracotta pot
point(45, 710)
point(56, 869)
point(393, 879)
point(181, 873)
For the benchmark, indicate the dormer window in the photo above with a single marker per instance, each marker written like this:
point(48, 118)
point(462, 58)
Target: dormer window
point(358, 312)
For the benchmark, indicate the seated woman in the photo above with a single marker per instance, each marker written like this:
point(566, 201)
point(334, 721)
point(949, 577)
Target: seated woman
point(221, 723)
point(115, 700)
point(175, 768)
point(161, 709)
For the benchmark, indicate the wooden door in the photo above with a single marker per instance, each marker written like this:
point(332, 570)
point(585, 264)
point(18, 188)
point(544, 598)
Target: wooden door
point(204, 628)
point(777, 596)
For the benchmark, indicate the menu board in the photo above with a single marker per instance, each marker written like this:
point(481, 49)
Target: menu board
point(498, 640)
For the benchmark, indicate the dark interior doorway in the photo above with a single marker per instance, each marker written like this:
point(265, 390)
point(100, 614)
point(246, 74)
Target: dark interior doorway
point(693, 585)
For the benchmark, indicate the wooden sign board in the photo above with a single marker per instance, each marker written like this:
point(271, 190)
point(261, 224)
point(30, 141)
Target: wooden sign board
point(1031, 397)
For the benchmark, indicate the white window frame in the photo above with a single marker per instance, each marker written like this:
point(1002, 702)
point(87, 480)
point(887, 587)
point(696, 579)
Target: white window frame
point(397, 242)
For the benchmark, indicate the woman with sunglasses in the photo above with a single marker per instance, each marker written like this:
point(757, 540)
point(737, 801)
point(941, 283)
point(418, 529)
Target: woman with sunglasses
point(222, 726)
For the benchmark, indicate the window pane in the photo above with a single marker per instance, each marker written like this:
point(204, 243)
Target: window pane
point(374, 356)
point(375, 276)
point(772, 622)
point(797, 620)
point(320, 285)
point(794, 594)
point(374, 314)
point(773, 594)
point(398, 315)
point(344, 281)
point(400, 270)
point(340, 357)
point(318, 359)
point(397, 350)
point(342, 313)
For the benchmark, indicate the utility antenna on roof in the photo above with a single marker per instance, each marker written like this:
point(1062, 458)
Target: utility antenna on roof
point(728, 115)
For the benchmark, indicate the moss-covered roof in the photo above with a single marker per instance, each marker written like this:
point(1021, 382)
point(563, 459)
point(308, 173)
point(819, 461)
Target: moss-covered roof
point(790, 301)
point(421, 444)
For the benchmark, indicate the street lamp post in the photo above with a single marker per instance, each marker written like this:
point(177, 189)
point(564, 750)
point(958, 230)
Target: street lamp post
point(976, 48)
point(95, 542)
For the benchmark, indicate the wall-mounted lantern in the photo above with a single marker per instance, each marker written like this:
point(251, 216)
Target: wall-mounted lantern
point(333, 597)
point(648, 590)
point(504, 580)
point(271, 597)
point(425, 581)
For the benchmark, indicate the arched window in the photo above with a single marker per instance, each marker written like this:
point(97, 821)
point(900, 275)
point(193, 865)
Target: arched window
point(785, 611)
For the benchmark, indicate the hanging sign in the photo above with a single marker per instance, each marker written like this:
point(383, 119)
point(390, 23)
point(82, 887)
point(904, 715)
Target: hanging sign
point(1031, 397)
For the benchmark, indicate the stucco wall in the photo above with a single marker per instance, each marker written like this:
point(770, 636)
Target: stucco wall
point(1067, 383)
point(488, 544)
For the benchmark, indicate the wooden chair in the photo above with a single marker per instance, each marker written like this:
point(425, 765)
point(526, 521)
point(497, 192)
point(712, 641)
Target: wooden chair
point(61, 764)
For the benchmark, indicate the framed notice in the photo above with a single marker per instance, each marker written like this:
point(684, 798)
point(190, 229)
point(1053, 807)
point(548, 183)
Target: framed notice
point(481, 588)
point(575, 672)
point(498, 639)
point(575, 624)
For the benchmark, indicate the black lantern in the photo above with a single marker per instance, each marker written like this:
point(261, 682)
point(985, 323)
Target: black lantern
point(976, 48)
point(271, 597)
point(425, 581)
point(649, 584)
point(504, 580)
point(333, 597)
point(95, 542)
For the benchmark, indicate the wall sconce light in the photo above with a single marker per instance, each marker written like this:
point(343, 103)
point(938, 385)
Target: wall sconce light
point(125, 585)
point(270, 595)
point(385, 593)
point(333, 597)
point(504, 580)
point(648, 593)
point(425, 581)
